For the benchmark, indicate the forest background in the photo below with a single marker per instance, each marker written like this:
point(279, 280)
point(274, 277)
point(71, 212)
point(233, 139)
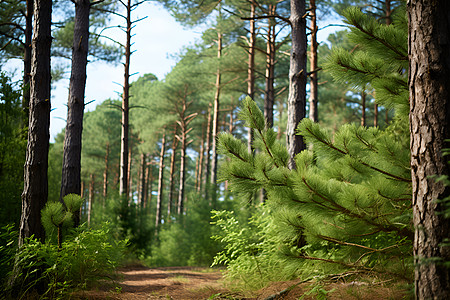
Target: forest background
point(179, 167)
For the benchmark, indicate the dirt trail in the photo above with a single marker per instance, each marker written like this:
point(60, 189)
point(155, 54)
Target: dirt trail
point(191, 283)
point(139, 282)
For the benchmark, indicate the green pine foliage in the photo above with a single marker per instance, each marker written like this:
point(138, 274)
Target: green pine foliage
point(12, 151)
point(347, 204)
point(70, 258)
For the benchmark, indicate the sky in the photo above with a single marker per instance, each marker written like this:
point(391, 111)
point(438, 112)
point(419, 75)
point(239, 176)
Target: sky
point(158, 39)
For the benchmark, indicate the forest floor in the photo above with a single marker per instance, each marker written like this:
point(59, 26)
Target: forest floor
point(138, 283)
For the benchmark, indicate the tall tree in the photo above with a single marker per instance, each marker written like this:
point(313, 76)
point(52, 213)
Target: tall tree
point(429, 85)
point(313, 94)
point(297, 79)
point(35, 190)
point(71, 169)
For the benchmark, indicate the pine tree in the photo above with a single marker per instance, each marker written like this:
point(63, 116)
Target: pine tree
point(347, 204)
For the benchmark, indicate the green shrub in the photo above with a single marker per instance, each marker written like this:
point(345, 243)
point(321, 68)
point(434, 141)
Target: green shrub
point(86, 256)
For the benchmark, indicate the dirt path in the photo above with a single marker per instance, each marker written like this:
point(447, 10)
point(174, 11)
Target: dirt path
point(191, 283)
point(139, 282)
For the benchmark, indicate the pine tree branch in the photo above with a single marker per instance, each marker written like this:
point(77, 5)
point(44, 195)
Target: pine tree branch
point(385, 228)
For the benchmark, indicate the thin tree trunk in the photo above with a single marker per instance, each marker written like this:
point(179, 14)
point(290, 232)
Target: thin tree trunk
point(149, 186)
point(160, 182)
point(251, 67)
point(105, 174)
point(35, 191)
point(215, 124)
point(200, 163)
point(363, 108)
point(27, 62)
point(172, 174)
point(280, 113)
point(130, 180)
point(297, 80)
point(142, 182)
point(429, 86)
point(313, 94)
point(71, 168)
point(207, 151)
point(269, 98)
point(123, 187)
point(91, 198)
point(182, 173)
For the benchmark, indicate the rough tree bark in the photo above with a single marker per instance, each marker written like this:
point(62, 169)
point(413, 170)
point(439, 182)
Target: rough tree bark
point(314, 85)
point(269, 95)
point(429, 84)
point(251, 67)
point(71, 168)
point(35, 191)
point(297, 80)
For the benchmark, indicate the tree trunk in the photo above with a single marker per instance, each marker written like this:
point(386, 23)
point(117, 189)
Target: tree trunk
point(130, 180)
point(172, 174)
point(123, 186)
point(71, 168)
point(297, 80)
point(27, 62)
point(105, 174)
point(363, 108)
point(142, 182)
point(149, 186)
point(35, 191)
point(91, 198)
point(314, 87)
point(215, 127)
point(207, 151)
point(269, 98)
point(160, 182)
point(200, 163)
point(429, 85)
point(251, 67)
point(182, 173)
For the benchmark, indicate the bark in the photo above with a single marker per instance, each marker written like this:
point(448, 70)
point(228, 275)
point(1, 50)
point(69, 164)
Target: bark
point(105, 173)
point(27, 61)
point(91, 198)
point(172, 174)
point(363, 108)
point(314, 87)
point(142, 181)
point(269, 95)
point(215, 125)
point(297, 80)
point(251, 67)
point(71, 168)
point(123, 185)
point(35, 190)
point(429, 85)
point(160, 182)
point(130, 180)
